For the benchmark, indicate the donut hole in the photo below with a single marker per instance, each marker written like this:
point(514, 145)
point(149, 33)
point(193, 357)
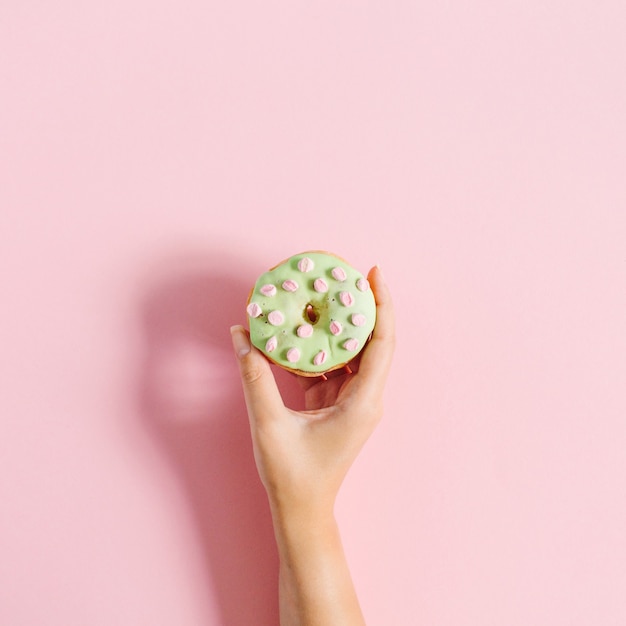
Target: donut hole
point(310, 314)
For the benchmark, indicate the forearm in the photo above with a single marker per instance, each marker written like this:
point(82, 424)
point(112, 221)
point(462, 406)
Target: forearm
point(315, 586)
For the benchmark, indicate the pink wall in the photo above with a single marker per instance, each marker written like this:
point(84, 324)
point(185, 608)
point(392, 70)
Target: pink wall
point(157, 156)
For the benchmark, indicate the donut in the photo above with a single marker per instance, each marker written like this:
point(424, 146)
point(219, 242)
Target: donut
point(312, 313)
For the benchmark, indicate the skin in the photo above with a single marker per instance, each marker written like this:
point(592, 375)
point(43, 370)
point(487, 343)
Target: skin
point(302, 458)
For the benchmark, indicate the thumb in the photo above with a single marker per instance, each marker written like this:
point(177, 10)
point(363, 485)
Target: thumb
point(259, 387)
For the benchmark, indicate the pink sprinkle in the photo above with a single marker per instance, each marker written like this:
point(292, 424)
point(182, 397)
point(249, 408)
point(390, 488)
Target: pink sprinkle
point(268, 290)
point(271, 344)
point(351, 345)
point(290, 285)
point(339, 274)
point(335, 327)
point(254, 310)
point(362, 284)
point(358, 319)
point(306, 330)
point(293, 354)
point(319, 358)
point(320, 285)
point(346, 298)
point(275, 318)
point(305, 264)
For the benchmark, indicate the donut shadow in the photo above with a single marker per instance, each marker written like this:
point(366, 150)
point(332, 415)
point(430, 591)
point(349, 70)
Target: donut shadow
point(191, 405)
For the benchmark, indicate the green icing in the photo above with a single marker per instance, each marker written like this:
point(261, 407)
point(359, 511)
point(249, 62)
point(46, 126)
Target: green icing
point(326, 306)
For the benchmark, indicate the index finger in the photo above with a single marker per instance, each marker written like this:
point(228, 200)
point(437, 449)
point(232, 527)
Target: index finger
point(378, 354)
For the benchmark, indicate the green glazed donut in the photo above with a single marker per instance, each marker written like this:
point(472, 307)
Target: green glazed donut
point(312, 313)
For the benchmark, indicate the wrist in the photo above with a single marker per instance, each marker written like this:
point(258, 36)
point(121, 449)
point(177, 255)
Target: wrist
point(304, 535)
point(297, 512)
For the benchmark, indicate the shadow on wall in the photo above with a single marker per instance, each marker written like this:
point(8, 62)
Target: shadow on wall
point(192, 405)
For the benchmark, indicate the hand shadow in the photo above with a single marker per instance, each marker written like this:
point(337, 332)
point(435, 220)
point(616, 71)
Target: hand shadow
point(192, 405)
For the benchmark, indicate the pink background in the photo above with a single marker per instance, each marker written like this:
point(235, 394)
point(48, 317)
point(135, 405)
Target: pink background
point(157, 156)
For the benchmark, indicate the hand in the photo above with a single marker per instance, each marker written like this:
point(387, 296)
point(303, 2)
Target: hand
point(303, 456)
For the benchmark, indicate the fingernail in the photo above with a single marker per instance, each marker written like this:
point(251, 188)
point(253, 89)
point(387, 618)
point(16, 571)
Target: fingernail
point(380, 270)
point(240, 341)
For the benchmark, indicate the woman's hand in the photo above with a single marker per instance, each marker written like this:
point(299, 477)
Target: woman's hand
point(303, 456)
